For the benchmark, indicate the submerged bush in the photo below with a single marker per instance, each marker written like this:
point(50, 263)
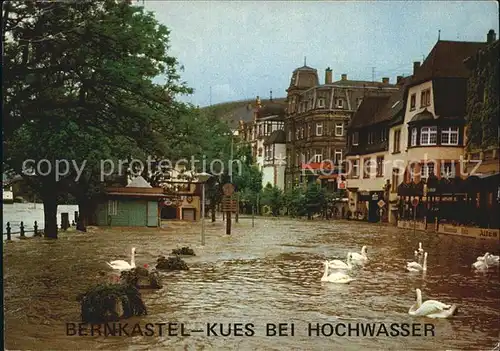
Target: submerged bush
point(171, 264)
point(111, 302)
point(141, 278)
point(183, 251)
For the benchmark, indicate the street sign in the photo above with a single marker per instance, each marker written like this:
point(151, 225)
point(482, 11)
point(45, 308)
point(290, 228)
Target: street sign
point(229, 204)
point(414, 202)
point(381, 203)
point(228, 189)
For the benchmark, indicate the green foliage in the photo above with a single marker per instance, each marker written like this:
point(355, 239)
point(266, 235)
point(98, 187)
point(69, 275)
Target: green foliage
point(272, 196)
point(100, 303)
point(483, 100)
point(78, 86)
point(294, 200)
point(315, 199)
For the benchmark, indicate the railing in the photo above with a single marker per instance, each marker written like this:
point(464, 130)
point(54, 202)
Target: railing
point(36, 230)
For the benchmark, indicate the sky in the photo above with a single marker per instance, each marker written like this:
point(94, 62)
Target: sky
point(235, 50)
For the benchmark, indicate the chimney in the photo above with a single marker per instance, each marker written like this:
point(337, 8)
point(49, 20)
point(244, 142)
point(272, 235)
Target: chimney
point(385, 80)
point(328, 76)
point(344, 76)
point(416, 66)
point(399, 79)
point(491, 37)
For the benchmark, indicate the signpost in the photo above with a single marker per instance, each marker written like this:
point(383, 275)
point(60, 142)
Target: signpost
point(414, 203)
point(228, 204)
point(381, 204)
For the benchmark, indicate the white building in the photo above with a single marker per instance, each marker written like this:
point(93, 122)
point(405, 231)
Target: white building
point(265, 134)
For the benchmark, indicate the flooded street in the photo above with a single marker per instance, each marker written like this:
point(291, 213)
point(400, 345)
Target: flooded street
point(267, 274)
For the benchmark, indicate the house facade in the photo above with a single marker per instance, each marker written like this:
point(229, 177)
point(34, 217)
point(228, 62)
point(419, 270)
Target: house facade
point(372, 153)
point(265, 135)
point(433, 135)
point(316, 119)
point(136, 205)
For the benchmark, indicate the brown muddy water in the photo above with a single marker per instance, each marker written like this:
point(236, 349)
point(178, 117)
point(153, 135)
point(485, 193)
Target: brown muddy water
point(267, 274)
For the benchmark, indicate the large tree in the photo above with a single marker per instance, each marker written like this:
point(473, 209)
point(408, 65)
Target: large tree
point(78, 86)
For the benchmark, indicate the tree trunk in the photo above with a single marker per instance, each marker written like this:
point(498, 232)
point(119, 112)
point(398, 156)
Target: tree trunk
point(212, 209)
point(84, 215)
point(50, 215)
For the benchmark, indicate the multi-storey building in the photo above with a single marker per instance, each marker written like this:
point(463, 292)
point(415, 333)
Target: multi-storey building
point(316, 120)
point(265, 135)
point(371, 153)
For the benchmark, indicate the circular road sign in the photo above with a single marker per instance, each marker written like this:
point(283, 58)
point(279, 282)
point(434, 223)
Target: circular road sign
point(228, 189)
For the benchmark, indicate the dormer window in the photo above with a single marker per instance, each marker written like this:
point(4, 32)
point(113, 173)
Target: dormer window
point(321, 103)
point(355, 138)
point(413, 101)
point(340, 103)
point(425, 98)
point(319, 129)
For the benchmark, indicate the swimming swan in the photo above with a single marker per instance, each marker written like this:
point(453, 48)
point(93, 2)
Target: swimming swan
point(490, 259)
point(337, 277)
point(338, 264)
point(359, 257)
point(420, 250)
point(122, 265)
point(431, 308)
point(417, 267)
point(481, 265)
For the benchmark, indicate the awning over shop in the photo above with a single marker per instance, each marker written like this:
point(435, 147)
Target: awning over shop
point(411, 189)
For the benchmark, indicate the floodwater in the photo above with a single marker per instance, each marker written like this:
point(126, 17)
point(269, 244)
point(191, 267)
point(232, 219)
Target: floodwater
point(29, 213)
point(267, 274)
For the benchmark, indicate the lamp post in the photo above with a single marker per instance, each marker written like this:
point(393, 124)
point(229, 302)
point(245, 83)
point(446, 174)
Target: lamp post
point(203, 178)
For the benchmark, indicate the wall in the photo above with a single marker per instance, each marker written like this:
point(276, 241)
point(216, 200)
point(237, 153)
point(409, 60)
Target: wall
point(130, 212)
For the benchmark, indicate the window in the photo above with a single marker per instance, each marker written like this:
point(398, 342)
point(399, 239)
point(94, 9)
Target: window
point(396, 141)
point(321, 102)
point(355, 138)
point(426, 169)
point(448, 169)
point(370, 137)
point(355, 168)
point(297, 134)
point(268, 153)
point(413, 101)
point(383, 135)
point(319, 129)
point(340, 103)
point(318, 157)
point(395, 180)
point(425, 98)
point(367, 162)
point(112, 207)
point(412, 172)
point(413, 137)
point(380, 166)
point(339, 129)
point(449, 136)
point(338, 157)
point(428, 136)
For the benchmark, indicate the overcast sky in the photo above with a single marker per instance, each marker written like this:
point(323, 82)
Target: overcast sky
point(244, 49)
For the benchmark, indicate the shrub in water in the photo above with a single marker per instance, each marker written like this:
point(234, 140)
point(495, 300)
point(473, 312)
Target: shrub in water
point(171, 264)
point(183, 251)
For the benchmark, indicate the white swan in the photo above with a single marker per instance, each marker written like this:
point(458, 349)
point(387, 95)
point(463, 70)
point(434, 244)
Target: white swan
point(338, 264)
point(420, 250)
point(490, 259)
point(417, 267)
point(431, 308)
point(122, 265)
point(337, 277)
point(356, 257)
point(481, 265)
